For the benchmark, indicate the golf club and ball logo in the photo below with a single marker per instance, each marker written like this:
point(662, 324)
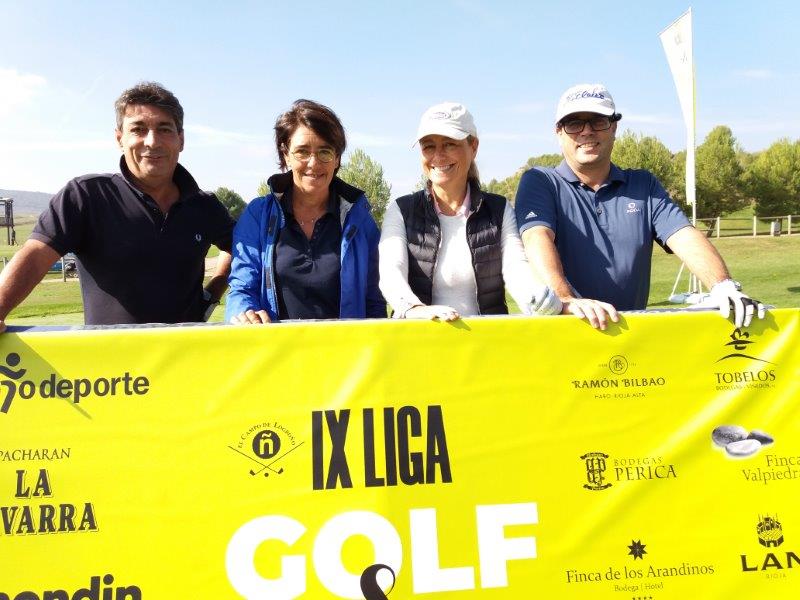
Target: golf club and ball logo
point(265, 446)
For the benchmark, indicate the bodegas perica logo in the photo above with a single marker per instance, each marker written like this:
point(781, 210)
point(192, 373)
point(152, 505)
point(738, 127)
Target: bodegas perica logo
point(740, 367)
point(265, 447)
point(602, 470)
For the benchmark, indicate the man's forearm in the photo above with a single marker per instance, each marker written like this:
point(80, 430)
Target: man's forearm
point(699, 255)
point(23, 273)
point(218, 283)
point(543, 256)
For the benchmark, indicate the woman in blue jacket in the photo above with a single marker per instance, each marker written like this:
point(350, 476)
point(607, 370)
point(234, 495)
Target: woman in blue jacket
point(308, 249)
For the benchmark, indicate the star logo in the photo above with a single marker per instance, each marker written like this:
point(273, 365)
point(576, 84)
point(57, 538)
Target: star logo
point(637, 549)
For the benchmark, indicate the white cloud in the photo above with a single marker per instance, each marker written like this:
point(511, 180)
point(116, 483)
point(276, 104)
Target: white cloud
point(212, 136)
point(649, 119)
point(755, 73)
point(503, 137)
point(367, 140)
point(17, 88)
point(482, 12)
point(528, 107)
point(59, 145)
point(781, 127)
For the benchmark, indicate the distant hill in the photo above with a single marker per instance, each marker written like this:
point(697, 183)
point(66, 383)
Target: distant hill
point(27, 203)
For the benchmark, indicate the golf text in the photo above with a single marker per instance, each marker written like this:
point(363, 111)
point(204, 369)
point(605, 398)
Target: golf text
point(494, 551)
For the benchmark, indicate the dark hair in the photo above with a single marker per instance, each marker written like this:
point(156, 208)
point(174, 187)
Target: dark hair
point(149, 93)
point(318, 118)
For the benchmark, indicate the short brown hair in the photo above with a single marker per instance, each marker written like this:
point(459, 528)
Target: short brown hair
point(318, 118)
point(149, 93)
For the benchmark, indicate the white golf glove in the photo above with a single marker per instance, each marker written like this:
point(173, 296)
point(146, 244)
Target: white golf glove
point(545, 303)
point(727, 295)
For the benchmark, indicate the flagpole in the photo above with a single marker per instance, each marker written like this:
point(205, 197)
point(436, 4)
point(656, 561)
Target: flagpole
point(677, 40)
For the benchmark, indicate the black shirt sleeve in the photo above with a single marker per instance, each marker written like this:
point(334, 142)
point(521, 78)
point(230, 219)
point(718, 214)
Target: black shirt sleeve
point(63, 223)
point(222, 229)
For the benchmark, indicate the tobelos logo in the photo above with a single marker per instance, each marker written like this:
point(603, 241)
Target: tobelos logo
point(740, 341)
point(265, 445)
point(53, 386)
point(743, 375)
point(595, 471)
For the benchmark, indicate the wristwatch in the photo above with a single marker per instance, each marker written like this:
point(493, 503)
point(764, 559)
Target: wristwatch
point(737, 286)
point(211, 304)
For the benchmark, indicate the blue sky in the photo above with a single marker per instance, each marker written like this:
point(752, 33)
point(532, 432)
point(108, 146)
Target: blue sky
point(236, 66)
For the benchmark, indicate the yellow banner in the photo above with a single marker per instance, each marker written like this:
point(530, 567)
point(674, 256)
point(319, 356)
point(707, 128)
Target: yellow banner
point(491, 458)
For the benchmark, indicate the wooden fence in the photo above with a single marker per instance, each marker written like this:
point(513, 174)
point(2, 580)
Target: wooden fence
point(749, 226)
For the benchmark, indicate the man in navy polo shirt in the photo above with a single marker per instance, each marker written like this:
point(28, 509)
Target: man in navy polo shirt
point(589, 226)
point(140, 236)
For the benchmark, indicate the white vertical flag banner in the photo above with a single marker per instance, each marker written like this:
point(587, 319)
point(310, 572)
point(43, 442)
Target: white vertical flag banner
point(677, 42)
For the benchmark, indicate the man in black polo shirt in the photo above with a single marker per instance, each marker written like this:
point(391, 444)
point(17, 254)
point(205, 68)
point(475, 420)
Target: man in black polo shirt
point(140, 236)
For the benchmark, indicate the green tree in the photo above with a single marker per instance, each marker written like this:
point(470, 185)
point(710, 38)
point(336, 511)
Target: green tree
point(543, 160)
point(772, 179)
point(508, 187)
point(232, 201)
point(718, 172)
point(635, 151)
point(677, 189)
point(367, 175)
point(263, 189)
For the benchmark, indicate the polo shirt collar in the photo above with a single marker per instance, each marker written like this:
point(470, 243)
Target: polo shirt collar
point(615, 174)
point(187, 185)
point(281, 183)
point(285, 199)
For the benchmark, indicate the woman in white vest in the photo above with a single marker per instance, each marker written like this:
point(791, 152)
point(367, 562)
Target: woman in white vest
point(451, 249)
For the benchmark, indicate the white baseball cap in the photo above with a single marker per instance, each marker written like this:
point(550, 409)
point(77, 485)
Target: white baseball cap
point(449, 119)
point(585, 97)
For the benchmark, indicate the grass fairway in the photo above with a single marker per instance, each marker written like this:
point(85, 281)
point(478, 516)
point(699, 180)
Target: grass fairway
point(769, 269)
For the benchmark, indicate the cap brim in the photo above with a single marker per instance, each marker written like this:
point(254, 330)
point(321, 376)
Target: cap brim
point(590, 107)
point(442, 129)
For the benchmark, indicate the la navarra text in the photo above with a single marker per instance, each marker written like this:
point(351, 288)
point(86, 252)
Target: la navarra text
point(412, 449)
point(46, 517)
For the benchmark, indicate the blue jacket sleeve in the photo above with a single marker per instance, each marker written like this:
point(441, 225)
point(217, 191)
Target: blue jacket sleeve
point(376, 305)
point(247, 263)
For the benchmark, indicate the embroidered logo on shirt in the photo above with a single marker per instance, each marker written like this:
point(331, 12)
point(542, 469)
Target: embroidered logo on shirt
point(198, 237)
point(531, 215)
point(632, 208)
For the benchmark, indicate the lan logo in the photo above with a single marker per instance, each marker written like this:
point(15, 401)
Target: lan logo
point(770, 532)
